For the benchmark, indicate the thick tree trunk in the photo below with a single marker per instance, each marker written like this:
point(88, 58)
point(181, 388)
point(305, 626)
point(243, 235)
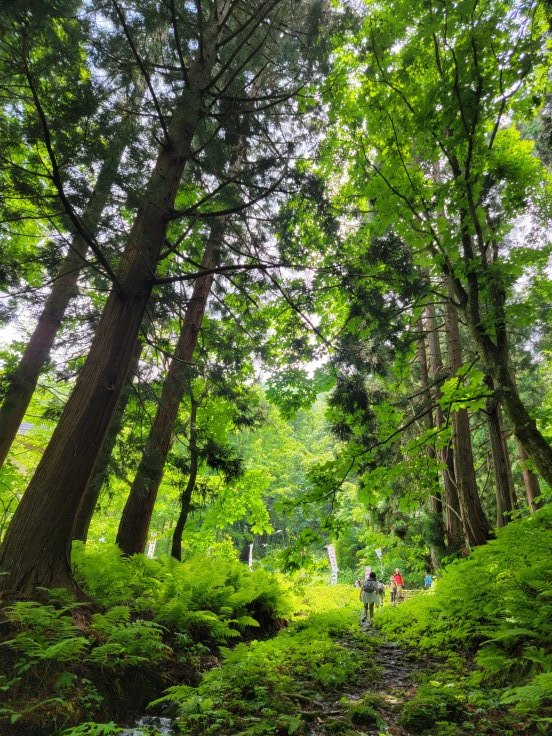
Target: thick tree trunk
point(36, 549)
point(186, 499)
point(24, 378)
point(501, 466)
point(530, 480)
point(454, 527)
point(99, 473)
point(134, 525)
point(475, 523)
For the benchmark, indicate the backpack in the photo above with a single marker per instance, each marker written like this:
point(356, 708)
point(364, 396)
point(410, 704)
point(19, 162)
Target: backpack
point(381, 589)
point(370, 586)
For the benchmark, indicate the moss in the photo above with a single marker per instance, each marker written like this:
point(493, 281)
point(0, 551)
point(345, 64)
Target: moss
point(364, 715)
point(433, 704)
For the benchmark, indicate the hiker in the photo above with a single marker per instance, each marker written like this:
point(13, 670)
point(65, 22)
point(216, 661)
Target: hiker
point(428, 580)
point(369, 596)
point(397, 583)
point(381, 594)
point(393, 590)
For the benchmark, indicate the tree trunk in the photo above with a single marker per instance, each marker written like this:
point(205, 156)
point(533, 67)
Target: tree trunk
point(501, 466)
point(523, 425)
point(24, 378)
point(36, 549)
point(530, 480)
point(475, 524)
point(134, 525)
point(99, 473)
point(435, 501)
point(185, 501)
point(454, 527)
point(495, 355)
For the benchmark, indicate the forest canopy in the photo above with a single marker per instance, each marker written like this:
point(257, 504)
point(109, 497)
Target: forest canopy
point(275, 286)
point(272, 272)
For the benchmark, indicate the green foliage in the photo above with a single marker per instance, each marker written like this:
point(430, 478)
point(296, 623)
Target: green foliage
point(531, 698)
point(363, 712)
point(122, 643)
point(61, 647)
point(497, 603)
point(265, 687)
point(434, 702)
point(92, 729)
point(211, 598)
point(45, 633)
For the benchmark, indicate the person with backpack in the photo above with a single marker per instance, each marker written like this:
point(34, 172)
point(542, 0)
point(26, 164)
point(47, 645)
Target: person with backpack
point(369, 595)
point(381, 594)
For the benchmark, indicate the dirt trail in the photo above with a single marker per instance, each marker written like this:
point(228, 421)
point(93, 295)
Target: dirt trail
point(393, 685)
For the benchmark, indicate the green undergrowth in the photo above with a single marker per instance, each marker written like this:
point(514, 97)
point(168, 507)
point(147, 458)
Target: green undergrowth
point(493, 610)
point(279, 686)
point(147, 624)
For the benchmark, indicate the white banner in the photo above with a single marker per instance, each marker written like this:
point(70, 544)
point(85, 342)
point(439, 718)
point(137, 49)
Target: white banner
point(333, 563)
point(250, 560)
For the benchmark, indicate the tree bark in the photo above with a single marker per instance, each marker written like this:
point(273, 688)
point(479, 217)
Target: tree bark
point(185, 501)
point(523, 425)
point(135, 521)
point(501, 466)
point(99, 472)
point(530, 480)
point(36, 549)
point(494, 349)
point(475, 523)
point(435, 501)
point(454, 527)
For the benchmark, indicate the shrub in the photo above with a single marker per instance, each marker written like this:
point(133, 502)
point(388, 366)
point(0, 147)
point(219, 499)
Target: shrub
point(210, 598)
point(497, 604)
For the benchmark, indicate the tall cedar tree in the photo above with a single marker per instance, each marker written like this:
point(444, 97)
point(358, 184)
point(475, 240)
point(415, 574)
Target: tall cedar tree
point(228, 38)
point(23, 379)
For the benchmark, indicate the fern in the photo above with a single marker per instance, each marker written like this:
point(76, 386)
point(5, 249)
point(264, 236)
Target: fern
point(531, 697)
point(90, 728)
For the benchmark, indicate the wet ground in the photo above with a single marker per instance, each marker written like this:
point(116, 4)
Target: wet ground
point(393, 685)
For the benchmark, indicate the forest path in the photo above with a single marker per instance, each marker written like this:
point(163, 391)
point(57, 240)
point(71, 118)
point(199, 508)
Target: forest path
point(382, 696)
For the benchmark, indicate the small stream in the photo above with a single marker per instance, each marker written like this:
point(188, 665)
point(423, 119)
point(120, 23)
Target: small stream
point(149, 724)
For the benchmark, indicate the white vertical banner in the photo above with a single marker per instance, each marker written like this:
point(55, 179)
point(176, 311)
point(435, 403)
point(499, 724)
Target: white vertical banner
point(151, 549)
point(333, 563)
point(379, 555)
point(250, 559)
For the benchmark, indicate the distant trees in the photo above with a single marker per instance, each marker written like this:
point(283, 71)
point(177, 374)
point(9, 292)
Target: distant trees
point(423, 101)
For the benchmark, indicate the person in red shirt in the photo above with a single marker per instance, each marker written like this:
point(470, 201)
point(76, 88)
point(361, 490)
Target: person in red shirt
point(397, 585)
